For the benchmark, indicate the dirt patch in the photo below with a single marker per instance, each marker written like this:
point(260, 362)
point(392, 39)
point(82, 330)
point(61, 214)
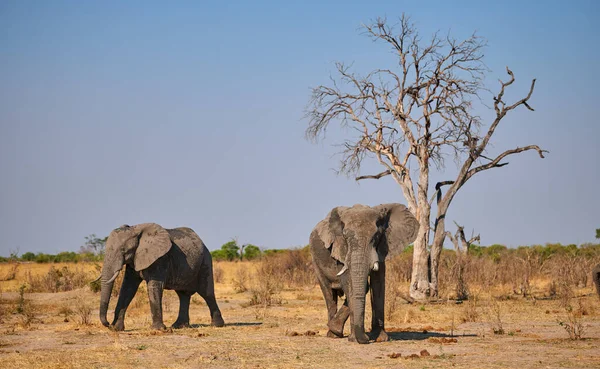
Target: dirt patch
point(291, 335)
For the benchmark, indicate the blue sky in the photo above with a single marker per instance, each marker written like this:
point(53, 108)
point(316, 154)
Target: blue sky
point(192, 114)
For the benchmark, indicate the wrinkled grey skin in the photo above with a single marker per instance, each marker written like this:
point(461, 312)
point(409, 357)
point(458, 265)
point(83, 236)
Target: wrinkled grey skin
point(596, 278)
point(349, 248)
point(173, 259)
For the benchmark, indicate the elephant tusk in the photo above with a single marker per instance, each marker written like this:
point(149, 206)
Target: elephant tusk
point(376, 266)
point(343, 270)
point(96, 280)
point(114, 277)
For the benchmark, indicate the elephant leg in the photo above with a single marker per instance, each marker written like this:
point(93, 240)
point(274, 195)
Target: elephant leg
point(336, 324)
point(378, 304)
point(207, 291)
point(330, 296)
point(348, 304)
point(155, 293)
point(216, 319)
point(183, 319)
point(129, 287)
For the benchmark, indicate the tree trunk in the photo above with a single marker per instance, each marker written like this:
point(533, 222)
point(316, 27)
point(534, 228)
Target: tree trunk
point(436, 251)
point(419, 283)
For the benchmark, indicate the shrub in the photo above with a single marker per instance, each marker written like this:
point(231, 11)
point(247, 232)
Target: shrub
point(267, 285)
point(11, 274)
point(58, 280)
point(572, 322)
point(219, 255)
point(84, 311)
point(217, 273)
point(240, 280)
point(28, 256)
point(252, 252)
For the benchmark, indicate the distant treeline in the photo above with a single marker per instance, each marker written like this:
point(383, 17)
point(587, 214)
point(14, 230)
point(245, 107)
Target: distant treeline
point(231, 251)
point(62, 257)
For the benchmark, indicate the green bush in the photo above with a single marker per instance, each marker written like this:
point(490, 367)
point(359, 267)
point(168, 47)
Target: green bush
point(28, 256)
point(219, 255)
point(252, 252)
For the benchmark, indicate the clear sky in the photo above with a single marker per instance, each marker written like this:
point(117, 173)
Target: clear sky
point(191, 113)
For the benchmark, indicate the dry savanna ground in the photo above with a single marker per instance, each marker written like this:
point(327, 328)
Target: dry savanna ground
point(271, 324)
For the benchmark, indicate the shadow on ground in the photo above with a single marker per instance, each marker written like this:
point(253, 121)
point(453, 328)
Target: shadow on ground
point(419, 336)
point(239, 324)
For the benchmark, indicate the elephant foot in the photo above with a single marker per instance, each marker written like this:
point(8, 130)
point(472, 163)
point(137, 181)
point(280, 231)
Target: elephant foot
point(332, 334)
point(179, 324)
point(159, 326)
point(217, 321)
point(336, 327)
point(379, 336)
point(358, 335)
point(118, 326)
point(362, 339)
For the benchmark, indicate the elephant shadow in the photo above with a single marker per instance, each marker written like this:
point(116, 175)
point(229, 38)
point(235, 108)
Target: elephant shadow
point(239, 324)
point(420, 336)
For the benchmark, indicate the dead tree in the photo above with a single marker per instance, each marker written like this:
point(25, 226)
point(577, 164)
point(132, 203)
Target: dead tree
point(461, 246)
point(410, 117)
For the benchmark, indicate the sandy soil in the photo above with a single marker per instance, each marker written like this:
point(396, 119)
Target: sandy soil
point(292, 335)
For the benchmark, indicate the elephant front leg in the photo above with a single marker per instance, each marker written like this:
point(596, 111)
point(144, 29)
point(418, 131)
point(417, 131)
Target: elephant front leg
point(155, 293)
point(129, 287)
point(336, 324)
point(330, 296)
point(378, 305)
point(183, 319)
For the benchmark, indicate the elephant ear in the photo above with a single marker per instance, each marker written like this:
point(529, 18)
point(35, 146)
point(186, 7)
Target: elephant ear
point(331, 232)
point(154, 243)
point(401, 230)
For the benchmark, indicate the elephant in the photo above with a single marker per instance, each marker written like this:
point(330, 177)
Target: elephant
point(173, 259)
point(349, 248)
point(596, 278)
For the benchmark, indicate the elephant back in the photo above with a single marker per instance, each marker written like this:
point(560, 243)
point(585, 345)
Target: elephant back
point(188, 242)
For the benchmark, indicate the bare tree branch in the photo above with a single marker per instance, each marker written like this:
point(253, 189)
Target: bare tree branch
point(412, 116)
point(496, 162)
point(376, 176)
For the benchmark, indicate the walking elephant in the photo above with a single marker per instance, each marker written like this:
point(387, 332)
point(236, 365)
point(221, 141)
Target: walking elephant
point(349, 248)
point(173, 259)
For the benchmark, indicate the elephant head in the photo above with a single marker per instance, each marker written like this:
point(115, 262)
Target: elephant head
point(138, 246)
point(361, 237)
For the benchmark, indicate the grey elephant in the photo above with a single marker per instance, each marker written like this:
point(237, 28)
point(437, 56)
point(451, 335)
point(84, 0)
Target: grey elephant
point(349, 248)
point(596, 278)
point(173, 259)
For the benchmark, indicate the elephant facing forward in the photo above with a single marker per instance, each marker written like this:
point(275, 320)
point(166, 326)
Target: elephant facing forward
point(349, 248)
point(173, 259)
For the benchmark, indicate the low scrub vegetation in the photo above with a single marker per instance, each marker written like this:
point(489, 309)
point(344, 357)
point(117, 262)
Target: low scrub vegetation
point(59, 280)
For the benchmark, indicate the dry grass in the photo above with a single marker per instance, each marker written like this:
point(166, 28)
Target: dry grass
point(259, 335)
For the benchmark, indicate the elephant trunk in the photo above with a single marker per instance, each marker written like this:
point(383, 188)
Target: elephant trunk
point(110, 271)
point(359, 273)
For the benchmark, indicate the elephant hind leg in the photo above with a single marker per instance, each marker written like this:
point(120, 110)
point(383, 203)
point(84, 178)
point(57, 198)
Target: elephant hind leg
point(216, 319)
point(207, 291)
point(183, 319)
